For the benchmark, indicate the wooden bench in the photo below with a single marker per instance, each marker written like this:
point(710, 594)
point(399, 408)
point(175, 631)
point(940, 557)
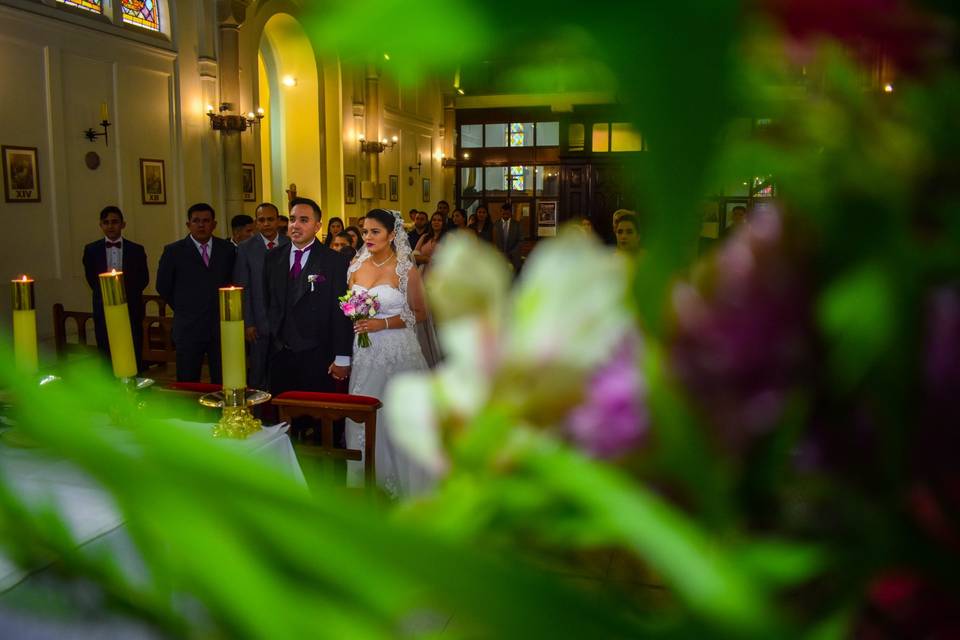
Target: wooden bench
point(157, 330)
point(328, 408)
point(81, 319)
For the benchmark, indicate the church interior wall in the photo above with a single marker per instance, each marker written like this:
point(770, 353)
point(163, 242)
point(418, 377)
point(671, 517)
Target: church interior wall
point(58, 66)
point(56, 69)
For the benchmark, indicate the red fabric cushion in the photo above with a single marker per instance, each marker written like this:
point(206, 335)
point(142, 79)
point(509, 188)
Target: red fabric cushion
point(316, 396)
point(197, 387)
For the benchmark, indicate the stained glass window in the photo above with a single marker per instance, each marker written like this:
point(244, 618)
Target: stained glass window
point(143, 13)
point(516, 136)
point(517, 177)
point(90, 5)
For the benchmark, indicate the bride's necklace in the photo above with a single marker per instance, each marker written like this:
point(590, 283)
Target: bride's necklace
point(380, 264)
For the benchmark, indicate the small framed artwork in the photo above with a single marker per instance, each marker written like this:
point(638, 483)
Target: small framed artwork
point(153, 181)
point(249, 182)
point(394, 188)
point(350, 189)
point(547, 218)
point(21, 176)
point(426, 190)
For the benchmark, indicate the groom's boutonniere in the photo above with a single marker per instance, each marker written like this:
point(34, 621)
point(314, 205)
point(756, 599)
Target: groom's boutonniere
point(314, 278)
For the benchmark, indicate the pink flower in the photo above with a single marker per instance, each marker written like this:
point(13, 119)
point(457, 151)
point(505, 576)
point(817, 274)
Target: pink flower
point(613, 418)
point(349, 309)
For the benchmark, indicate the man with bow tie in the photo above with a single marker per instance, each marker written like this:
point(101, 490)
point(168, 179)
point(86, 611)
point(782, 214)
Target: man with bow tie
point(311, 341)
point(191, 272)
point(116, 252)
point(248, 273)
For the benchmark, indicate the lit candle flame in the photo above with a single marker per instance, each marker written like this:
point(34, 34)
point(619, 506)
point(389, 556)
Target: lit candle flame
point(24, 277)
point(113, 272)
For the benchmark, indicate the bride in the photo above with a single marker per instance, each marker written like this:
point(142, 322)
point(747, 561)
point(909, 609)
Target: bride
point(383, 267)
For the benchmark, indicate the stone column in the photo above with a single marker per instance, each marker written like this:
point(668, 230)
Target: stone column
point(372, 126)
point(230, 15)
point(448, 135)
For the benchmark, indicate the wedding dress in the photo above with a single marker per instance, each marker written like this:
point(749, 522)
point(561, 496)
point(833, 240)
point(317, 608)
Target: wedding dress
point(391, 351)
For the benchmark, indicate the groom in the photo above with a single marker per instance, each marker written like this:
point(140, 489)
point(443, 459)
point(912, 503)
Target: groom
point(311, 341)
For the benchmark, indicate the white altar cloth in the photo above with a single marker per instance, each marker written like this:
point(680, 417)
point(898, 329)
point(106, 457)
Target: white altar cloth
point(88, 511)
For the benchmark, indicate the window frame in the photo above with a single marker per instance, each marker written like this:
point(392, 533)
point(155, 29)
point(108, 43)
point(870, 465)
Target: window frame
point(111, 18)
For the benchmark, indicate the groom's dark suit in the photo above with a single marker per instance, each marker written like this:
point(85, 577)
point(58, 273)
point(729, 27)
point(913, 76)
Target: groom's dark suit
point(307, 328)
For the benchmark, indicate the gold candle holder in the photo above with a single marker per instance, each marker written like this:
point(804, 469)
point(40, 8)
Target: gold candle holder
point(236, 421)
point(25, 351)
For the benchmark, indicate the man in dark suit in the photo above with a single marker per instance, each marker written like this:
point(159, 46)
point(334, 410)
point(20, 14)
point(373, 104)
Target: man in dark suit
point(248, 273)
point(507, 236)
point(116, 252)
point(311, 340)
point(191, 272)
point(241, 228)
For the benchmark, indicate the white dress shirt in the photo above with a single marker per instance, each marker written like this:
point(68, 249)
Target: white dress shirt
point(209, 244)
point(303, 256)
point(275, 242)
point(115, 255)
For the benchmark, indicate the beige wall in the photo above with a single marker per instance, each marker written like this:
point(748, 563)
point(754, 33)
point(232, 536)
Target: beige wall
point(56, 68)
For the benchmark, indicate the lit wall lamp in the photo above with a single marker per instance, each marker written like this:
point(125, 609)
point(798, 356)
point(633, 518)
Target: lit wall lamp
point(92, 135)
point(232, 122)
point(372, 146)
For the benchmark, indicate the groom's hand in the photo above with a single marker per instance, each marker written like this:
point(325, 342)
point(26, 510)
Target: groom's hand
point(339, 373)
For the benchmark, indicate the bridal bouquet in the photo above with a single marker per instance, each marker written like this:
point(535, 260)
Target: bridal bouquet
point(360, 305)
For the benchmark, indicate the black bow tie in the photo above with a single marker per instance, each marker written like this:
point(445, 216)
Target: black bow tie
point(113, 245)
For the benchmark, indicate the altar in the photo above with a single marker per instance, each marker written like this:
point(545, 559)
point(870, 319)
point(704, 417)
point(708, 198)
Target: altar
point(88, 512)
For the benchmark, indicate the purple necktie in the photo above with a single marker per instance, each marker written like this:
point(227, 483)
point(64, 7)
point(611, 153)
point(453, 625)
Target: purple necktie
point(297, 255)
point(205, 255)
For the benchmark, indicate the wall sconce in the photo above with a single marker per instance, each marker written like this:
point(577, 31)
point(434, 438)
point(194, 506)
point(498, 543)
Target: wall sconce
point(230, 122)
point(92, 135)
point(415, 167)
point(367, 146)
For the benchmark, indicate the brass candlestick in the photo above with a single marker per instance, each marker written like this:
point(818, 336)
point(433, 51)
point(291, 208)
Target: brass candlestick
point(236, 421)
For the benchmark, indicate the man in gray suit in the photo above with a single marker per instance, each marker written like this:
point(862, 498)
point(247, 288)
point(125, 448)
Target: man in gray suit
point(507, 236)
point(248, 273)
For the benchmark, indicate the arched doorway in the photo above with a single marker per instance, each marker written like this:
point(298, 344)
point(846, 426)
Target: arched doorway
point(291, 147)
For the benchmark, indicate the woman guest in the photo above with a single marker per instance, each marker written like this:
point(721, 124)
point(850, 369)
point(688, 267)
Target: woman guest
point(459, 219)
point(484, 226)
point(428, 241)
point(628, 235)
point(334, 227)
point(355, 236)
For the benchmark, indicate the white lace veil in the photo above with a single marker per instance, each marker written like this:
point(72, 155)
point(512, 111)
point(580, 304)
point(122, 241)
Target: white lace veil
point(401, 245)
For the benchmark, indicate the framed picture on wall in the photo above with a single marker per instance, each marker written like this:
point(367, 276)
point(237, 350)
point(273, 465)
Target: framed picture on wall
point(426, 190)
point(546, 218)
point(248, 179)
point(394, 188)
point(21, 177)
point(350, 189)
point(153, 181)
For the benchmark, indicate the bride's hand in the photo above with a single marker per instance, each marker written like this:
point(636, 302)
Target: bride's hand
point(370, 325)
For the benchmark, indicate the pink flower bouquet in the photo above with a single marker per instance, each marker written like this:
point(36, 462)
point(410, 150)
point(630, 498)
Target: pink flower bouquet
point(360, 305)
